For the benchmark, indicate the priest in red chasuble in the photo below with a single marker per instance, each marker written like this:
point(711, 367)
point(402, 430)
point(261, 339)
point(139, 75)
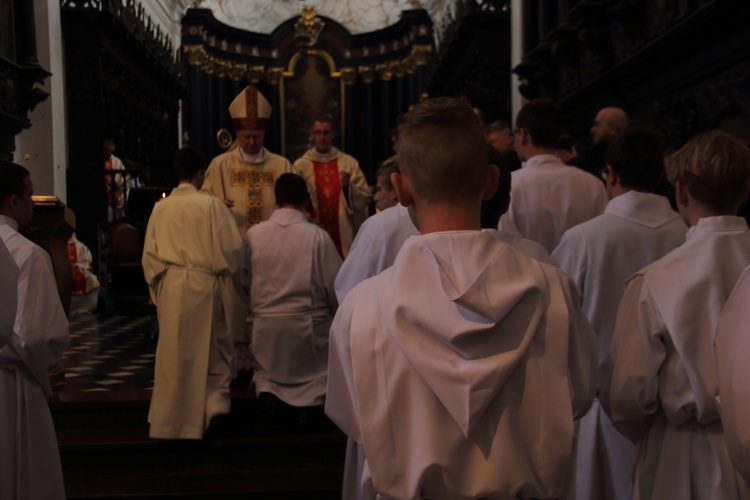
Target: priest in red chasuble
point(338, 188)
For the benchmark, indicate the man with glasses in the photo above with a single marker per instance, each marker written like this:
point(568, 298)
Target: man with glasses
point(609, 123)
point(500, 136)
point(547, 196)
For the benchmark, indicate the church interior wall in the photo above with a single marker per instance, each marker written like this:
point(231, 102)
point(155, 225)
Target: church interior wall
point(677, 67)
point(672, 65)
point(42, 148)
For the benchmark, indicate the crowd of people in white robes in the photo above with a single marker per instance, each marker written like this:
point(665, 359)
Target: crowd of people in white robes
point(541, 333)
point(653, 429)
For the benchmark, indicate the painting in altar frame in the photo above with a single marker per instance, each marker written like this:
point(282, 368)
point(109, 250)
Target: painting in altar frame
point(310, 87)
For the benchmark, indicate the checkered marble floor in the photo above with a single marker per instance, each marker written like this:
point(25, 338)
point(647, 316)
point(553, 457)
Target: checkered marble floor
point(110, 353)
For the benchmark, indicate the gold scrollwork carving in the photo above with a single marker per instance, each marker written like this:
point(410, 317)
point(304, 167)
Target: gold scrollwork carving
point(421, 54)
point(349, 75)
point(399, 68)
point(196, 55)
point(385, 71)
point(223, 68)
point(255, 73)
point(236, 71)
point(210, 67)
point(273, 75)
point(308, 27)
point(367, 73)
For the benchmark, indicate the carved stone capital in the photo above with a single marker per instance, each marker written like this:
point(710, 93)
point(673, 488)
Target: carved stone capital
point(421, 54)
point(273, 75)
point(195, 55)
point(349, 75)
point(367, 73)
point(385, 71)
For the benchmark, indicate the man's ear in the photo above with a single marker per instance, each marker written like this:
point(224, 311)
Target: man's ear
point(613, 178)
point(525, 136)
point(403, 189)
point(681, 194)
point(5, 207)
point(490, 187)
point(393, 196)
point(11, 203)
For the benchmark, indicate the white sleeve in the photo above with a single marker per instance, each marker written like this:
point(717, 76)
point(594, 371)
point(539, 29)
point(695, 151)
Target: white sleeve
point(341, 400)
point(630, 374)
point(8, 295)
point(733, 370)
point(41, 327)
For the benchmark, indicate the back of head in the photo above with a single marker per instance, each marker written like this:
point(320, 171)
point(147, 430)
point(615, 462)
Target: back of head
point(11, 180)
point(496, 126)
point(542, 118)
point(616, 117)
point(496, 206)
point(715, 169)
point(442, 151)
point(188, 162)
point(290, 189)
point(637, 157)
point(565, 142)
point(384, 171)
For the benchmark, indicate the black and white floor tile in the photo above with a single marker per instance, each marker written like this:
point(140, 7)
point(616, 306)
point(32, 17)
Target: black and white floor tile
point(109, 353)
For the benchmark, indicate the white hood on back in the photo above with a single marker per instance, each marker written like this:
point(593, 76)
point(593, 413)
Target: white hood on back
point(470, 332)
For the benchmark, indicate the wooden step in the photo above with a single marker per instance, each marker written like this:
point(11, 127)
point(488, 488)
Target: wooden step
point(106, 453)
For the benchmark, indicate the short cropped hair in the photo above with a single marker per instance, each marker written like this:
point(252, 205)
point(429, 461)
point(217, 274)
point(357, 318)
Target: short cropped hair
point(290, 189)
point(496, 206)
point(11, 180)
point(542, 118)
point(637, 157)
point(715, 169)
point(188, 162)
point(324, 118)
point(565, 142)
point(496, 126)
point(384, 171)
point(442, 150)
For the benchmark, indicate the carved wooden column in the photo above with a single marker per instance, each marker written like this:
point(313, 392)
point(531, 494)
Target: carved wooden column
point(84, 99)
point(19, 72)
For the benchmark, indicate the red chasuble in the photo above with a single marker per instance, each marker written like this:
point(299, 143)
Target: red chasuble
point(109, 179)
point(79, 280)
point(328, 189)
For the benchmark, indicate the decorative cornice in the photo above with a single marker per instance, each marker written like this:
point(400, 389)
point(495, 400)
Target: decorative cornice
point(396, 51)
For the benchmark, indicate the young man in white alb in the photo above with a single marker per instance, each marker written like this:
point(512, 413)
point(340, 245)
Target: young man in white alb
point(659, 384)
point(459, 370)
point(637, 228)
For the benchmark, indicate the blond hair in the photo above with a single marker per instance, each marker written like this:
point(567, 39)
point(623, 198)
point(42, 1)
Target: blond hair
point(715, 169)
point(442, 150)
